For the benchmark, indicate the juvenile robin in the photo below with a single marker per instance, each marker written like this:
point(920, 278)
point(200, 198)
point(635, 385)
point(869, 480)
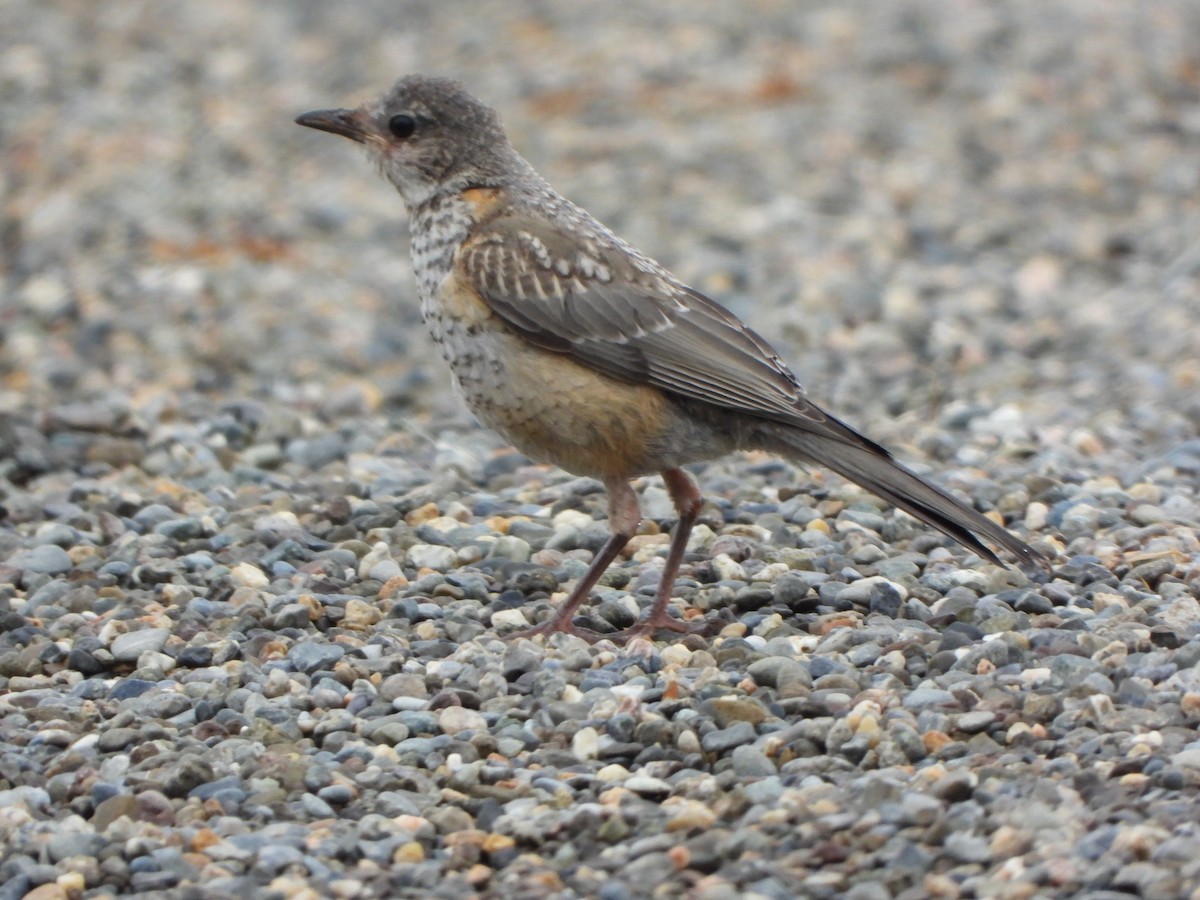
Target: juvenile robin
point(587, 354)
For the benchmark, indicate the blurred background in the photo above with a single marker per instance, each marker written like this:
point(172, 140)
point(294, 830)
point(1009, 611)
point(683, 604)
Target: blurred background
point(963, 214)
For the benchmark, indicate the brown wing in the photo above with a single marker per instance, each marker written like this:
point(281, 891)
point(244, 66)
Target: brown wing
point(626, 317)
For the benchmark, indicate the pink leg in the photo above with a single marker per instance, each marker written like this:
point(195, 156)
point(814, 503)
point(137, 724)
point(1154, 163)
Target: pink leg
point(686, 493)
point(624, 516)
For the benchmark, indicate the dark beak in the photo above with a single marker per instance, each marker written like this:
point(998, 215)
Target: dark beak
point(346, 122)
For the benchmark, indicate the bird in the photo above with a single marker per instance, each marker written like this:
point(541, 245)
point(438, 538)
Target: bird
point(585, 353)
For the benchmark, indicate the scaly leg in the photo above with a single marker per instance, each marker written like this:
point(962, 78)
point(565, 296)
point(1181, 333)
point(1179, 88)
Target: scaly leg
point(624, 516)
point(686, 493)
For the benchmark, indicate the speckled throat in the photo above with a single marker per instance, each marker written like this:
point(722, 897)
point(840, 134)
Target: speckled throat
point(439, 229)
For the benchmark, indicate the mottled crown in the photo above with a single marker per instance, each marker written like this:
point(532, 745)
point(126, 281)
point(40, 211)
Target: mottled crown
point(445, 101)
point(457, 140)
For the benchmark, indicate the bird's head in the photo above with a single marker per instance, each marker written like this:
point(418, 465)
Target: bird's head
point(427, 136)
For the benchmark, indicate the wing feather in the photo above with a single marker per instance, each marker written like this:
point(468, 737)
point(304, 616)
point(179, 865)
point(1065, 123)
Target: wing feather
point(628, 318)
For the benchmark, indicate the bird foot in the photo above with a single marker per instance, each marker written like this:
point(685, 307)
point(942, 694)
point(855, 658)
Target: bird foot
point(654, 623)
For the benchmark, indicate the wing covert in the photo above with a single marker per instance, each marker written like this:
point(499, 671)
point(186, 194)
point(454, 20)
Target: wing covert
point(625, 316)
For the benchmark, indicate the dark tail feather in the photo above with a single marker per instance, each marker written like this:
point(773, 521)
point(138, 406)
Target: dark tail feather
point(870, 466)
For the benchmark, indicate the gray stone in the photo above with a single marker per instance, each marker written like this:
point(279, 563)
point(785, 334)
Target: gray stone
point(778, 671)
point(312, 656)
point(727, 738)
point(129, 646)
point(185, 529)
point(115, 739)
point(751, 762)
point(291, 615)
point(923, 698)
point(764, 791)
point(968, 848)
point(46, 559)
point(66, 844)
point(57, 533)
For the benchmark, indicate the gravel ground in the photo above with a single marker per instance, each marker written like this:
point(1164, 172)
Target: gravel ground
point(256, 562)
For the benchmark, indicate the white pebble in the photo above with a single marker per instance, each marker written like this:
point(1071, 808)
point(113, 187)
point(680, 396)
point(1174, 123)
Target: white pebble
point(249, 575)
point(726, 569)
point(457, 719)
point(513, 617)
point(432, 556)
point(586, 744)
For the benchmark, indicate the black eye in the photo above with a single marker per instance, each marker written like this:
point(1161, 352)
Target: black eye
point(402, 125)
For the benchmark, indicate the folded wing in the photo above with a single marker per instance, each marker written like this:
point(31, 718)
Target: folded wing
point(626, 317)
